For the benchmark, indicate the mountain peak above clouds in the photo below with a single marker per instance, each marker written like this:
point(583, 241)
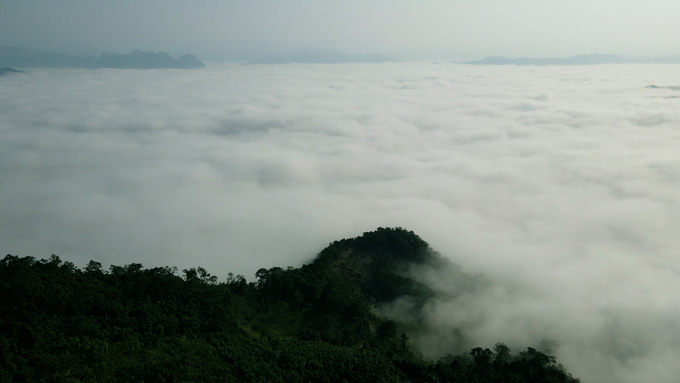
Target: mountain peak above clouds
point(591, 59)
point(147, 60)
point(8, 70)
point(27, 58)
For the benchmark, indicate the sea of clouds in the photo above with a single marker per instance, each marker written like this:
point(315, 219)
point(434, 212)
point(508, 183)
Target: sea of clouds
point(561, 185)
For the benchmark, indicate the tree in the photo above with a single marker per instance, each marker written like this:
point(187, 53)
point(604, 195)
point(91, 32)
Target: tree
point(502, 352)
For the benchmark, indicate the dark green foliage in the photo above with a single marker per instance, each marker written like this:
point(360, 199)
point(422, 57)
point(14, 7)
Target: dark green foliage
point(377, 262)
point(313, 323)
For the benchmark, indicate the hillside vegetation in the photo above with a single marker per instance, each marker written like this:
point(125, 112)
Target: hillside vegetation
point(317, 323)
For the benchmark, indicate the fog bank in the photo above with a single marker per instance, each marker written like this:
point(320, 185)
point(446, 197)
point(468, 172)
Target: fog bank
point(559, 184)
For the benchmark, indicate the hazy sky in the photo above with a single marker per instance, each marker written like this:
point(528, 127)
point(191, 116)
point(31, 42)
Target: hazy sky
point(434, 29)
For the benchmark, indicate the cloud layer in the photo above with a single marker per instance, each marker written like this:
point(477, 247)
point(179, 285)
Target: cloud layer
point(559, 184)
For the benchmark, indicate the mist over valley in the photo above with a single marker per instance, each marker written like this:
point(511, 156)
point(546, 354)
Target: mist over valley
point(556, 186)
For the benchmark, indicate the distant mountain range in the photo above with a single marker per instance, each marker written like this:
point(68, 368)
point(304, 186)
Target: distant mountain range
point(17, 57)
point(147, 60)
point(323, 57)
point(577, 60)
point(27, 58)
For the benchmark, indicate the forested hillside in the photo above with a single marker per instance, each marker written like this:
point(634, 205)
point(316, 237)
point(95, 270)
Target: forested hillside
point(317, 323)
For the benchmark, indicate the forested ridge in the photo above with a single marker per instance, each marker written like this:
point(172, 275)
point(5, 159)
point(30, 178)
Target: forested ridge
point(316, 323)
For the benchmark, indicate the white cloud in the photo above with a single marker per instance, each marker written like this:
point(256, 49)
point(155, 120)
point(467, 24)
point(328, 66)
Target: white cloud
point(560, 184)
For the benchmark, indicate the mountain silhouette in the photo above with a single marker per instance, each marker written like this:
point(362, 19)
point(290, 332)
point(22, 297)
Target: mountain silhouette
point(591, 59)
point(27, 58)
point(323, 57)
point(147, 60)
point(8, 70)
